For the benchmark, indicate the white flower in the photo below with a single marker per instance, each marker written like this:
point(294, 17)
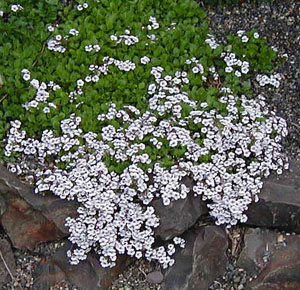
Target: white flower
point(80, 83)
point(256, 35)
point(195, 70)
point(96, 47)
point(244, 70)
point(15, 8)
point(245, 38)
point(26, 77)
point(33, 104)
point(145, 60)
point(228, 69)
point(50, 28)
point(113, 37)
point(74, 32)
point(46, 110)
point(237, 73)
point(25, 71)
point(95, 79)
point(35, 83)
point(240, 32)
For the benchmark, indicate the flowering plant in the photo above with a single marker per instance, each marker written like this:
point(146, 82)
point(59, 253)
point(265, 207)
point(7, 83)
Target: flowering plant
point(122, 100)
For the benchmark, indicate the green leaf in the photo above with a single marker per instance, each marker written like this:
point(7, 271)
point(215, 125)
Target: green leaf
point(55, 124)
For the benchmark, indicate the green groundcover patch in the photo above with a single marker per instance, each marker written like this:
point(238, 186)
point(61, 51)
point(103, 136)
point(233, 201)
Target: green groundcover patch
point(117, 101)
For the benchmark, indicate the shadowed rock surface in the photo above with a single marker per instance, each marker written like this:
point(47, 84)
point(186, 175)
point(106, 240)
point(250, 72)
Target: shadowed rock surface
point(279, 204)
point(28, 218)
point(258, 246)
point(180, 215)
point(7, 262)
point(200, 262)
point(273, 257)
point(87, 275)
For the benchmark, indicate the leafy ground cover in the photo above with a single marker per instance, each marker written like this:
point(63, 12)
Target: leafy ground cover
point(119, 100)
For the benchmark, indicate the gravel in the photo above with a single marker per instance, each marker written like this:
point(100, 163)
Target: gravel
point(279, 22)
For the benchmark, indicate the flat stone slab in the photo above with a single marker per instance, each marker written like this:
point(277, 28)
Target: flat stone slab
point(273, 257)
point(30, 218)
point(200, 262)
point(87, 275)
point(179, 215)
point(279, 204)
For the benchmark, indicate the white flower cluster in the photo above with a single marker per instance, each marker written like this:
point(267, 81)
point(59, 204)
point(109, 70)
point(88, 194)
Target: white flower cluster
point(226, 156)
point(55, 43)
point(127, 38)
point(213, 71)
point(42, 94)
point(92, 47)
point(153, 23)
point(99, 70)
point(83, 6)
point(231, 61)
point(145, 60)
point(269, 80)
point(26, 74)
point(198, 68)
point(172, 26)
point(16, 7)
point(111, 220)
point(51, 28)
point(211, 41)
point(245, 38)
point(122, 224)
point(48, 145)
point(245, 151)
point(73, 32)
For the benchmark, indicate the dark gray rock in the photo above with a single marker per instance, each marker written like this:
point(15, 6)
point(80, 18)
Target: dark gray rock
point(27, 227)
point(200, 262)
point(87, 275)
point(28, 218)
point(258, 245)
point(273, 257)
point(155, 277)
point(180, 215)
point(279, 204)
point(7, 262)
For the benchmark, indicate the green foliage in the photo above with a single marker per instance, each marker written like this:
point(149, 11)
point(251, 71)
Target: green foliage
point(23, 44)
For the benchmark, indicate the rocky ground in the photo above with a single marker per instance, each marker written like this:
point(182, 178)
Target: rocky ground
point(257, 255)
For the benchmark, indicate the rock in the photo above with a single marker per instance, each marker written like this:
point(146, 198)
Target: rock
point(87, 275)
point(179, 216)
point(28, 218)
point(277, 265)
point(200, 262)
point(155, 277)
point(27, 227)
point(279, 204)
point(7, 262)
point(258, 244)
